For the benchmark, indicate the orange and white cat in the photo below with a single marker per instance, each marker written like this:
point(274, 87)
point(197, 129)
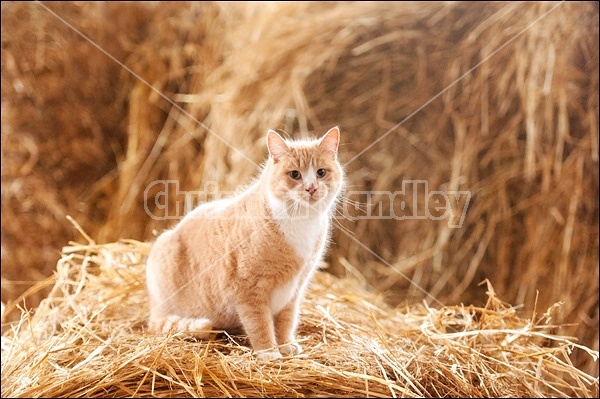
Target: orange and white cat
point(244, 262)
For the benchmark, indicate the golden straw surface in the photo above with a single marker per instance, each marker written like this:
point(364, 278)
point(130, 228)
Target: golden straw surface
point(88, 339)
point(499, 99)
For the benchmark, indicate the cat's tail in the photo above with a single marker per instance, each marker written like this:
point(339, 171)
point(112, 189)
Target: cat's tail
point(199, 328)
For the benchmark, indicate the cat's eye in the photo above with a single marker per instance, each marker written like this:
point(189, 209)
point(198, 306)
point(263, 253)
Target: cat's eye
point(294, 174)
point(321, 173)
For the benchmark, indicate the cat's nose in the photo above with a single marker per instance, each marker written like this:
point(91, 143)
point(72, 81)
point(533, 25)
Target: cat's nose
point(311, 190)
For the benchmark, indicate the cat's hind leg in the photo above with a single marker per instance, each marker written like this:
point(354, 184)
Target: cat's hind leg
point(197, 327)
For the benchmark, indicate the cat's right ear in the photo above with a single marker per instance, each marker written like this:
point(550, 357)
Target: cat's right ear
point(276, 145)
point(331, 141)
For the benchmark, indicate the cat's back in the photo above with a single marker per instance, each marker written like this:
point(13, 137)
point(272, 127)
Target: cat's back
point(221, 225)
point(224, 210)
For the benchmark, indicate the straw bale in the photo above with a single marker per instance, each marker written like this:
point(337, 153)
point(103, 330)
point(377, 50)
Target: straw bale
point(519, 130)
point(63, 123)
point(88, 339)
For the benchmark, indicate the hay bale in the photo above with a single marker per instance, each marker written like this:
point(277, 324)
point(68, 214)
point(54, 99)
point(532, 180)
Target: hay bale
point(88, 339)
point(63, 123)
point(520, 132)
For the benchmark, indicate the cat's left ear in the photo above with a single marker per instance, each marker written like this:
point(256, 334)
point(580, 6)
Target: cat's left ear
point(276, 145)
point(331, 141)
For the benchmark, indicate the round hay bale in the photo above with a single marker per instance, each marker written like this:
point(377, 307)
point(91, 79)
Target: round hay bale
point(63, 124)
point(499, 100)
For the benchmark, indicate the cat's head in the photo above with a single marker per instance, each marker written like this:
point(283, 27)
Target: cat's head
point(304, 175)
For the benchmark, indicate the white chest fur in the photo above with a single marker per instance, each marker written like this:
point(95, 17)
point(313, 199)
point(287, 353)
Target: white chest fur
point(304, 233)
point(306, 237)
point(281, 296)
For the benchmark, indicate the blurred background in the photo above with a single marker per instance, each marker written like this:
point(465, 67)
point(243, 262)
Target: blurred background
point(499, 99)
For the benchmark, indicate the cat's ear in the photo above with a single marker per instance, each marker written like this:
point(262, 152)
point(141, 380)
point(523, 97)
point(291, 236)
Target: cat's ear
point(331, 141)
point(276, 145)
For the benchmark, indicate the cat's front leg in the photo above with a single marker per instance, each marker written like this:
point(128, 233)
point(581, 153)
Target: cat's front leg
point(258, 324)
point(286, 322)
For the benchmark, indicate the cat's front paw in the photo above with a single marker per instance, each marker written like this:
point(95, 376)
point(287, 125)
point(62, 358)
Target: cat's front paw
point(269, 355)
point(290, 349)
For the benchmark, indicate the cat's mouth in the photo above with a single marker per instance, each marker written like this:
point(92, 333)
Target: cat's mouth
point(309, 200)
point(314, 201)
point(317, 203)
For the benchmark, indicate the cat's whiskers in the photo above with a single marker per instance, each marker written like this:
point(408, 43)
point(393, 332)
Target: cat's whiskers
point(362, 206)
point(295, 212)
point(341, 226)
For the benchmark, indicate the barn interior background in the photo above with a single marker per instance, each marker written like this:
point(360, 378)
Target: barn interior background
point(498, 99)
